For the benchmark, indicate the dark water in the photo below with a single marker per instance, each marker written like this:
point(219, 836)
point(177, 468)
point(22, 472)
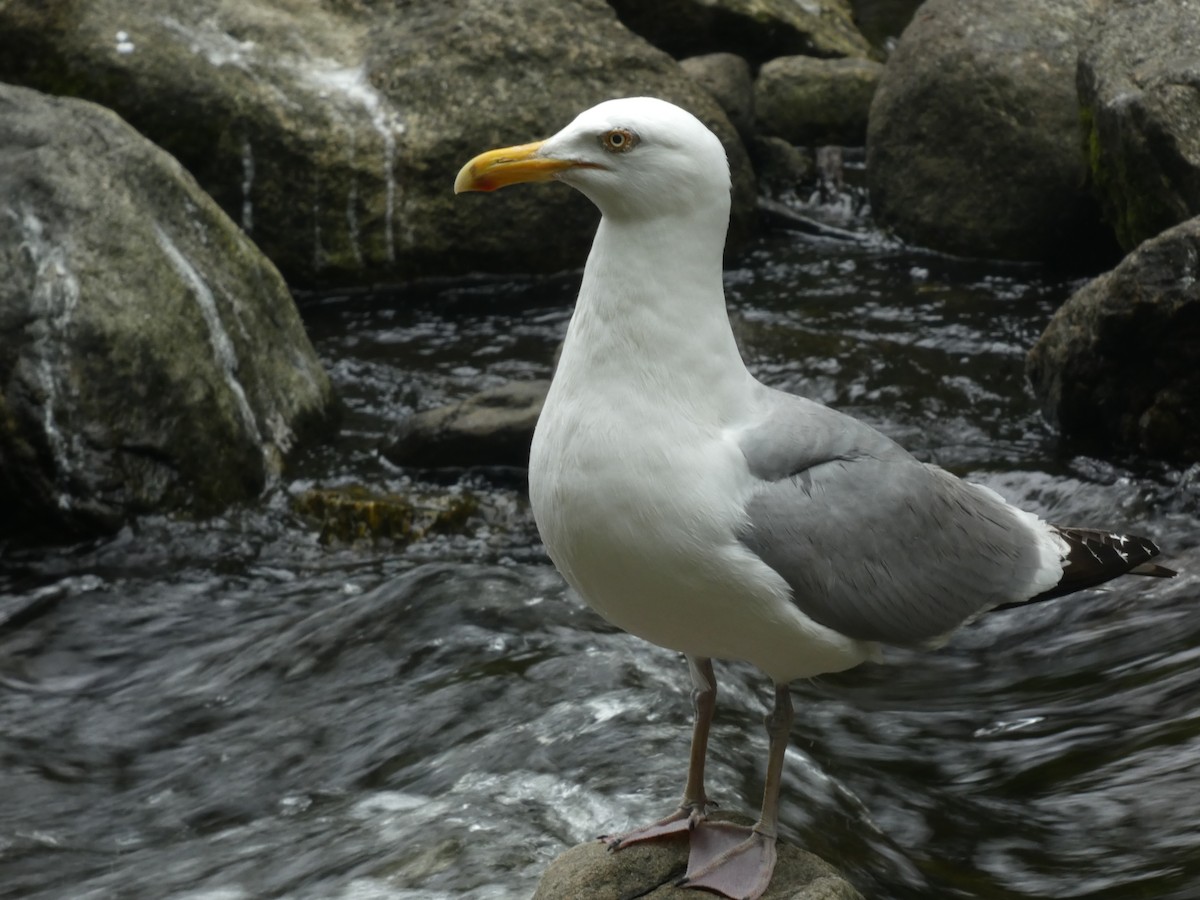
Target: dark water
point(230, 709)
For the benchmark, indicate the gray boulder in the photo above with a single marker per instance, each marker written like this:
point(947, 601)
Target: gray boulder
point(1119, 364)
point(478, 74)
point(728, 78)
point(757, 30)
point(816, 102)
point(332, 132)
point(151, 358)
point(974, 144)
point(1139, 93)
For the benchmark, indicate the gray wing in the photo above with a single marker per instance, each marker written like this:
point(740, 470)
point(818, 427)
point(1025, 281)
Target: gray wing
point(875, 544)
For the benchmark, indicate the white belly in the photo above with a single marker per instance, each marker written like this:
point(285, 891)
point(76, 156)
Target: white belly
point(645, 530)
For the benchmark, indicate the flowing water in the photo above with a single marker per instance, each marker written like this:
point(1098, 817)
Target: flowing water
point(231, 709)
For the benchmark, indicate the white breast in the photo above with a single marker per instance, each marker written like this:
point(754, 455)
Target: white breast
point(639, 509)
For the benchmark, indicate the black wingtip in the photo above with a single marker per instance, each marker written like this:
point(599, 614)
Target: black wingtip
point(1096, 556)
point(1153, 570)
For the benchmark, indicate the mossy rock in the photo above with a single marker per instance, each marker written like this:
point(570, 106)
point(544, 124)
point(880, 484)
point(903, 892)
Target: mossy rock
point(1140, 116)
point(355, 513)
point(973, 134)
point(1119, 364)
point(151, 358)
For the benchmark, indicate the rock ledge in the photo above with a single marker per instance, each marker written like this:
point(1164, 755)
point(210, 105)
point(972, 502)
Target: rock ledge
point(650, 871)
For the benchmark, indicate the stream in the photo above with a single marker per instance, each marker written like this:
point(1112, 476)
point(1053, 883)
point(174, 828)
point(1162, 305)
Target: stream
point(233, 709)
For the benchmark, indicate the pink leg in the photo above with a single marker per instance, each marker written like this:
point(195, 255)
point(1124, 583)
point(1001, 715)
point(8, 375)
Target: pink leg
point(735, 861)
point(694, 805)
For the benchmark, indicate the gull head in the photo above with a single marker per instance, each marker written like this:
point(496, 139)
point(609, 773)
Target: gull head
point(635, 157)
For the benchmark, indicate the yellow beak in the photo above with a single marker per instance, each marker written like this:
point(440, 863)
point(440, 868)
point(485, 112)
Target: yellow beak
point(509, 165)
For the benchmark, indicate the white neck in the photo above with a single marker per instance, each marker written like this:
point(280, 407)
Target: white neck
point(651, 318)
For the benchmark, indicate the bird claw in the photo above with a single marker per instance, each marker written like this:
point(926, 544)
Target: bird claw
point(683, 821)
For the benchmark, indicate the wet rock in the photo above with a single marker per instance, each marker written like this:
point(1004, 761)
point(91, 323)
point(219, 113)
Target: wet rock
point(974, 145)
point(268, 104)
point(332, 132)
point(491, 428)
point(1119, 364)
point(519, 70)
point(783, 169)
point(816, 102)
point(1139, 92)
point(882, 21)
point(727, 77)
point(755, 29)
point(351, 513)
point(150, 357)
point(650, 869)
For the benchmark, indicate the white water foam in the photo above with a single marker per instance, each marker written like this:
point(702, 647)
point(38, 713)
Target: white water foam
point(224, 352)
point(215, 45)
point(352, 86)
point(247, 186)
point(54, 300)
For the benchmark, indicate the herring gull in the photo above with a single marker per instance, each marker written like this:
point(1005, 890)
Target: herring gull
point(695, 507)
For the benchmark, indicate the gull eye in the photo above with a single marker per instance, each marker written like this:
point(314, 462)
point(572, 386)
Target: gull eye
point(619, 140)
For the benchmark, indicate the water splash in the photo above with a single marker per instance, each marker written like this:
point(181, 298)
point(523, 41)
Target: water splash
point(224, 353)
point(124, 45)
point(352, 86)
point(247, 185)
point(345, 91)
point(318, 253)
point(54, 300)
point(215, 45)
point(352, 205)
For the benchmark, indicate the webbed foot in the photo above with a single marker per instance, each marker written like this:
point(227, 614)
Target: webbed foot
point(731, 860)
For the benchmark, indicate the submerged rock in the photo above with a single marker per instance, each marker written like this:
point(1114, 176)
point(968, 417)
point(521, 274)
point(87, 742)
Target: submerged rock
point(491, 428)
point(1139, 92)
point(650, 870)
point(332, 132)
point(151, 358)
point(352, 513)
point(974, 145)
point(1119, 363)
